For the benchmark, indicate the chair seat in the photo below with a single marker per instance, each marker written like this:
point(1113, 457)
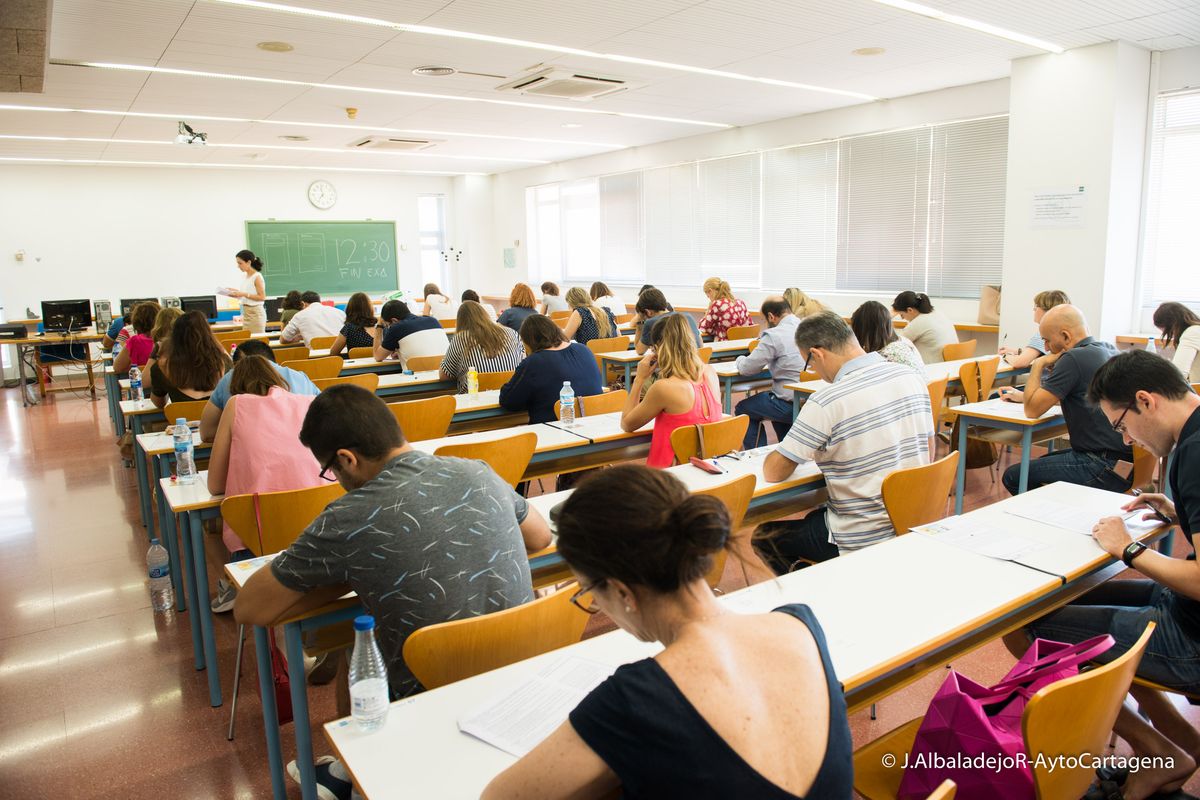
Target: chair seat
point(874, 781)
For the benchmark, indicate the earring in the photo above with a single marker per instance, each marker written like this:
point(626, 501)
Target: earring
point(628, 609)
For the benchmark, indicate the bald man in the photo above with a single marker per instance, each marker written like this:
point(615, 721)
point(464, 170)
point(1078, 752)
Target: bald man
point(1061, 377)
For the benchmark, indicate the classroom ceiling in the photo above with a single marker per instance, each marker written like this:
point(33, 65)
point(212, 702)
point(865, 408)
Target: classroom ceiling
point(796, 41)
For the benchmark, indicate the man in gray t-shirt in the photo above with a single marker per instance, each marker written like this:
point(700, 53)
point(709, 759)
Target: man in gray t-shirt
point(421, 539)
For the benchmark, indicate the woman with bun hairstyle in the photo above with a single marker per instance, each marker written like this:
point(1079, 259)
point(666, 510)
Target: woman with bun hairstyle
point(724, 310)
point(252, 293)
point(736, 705)
point(927, 329)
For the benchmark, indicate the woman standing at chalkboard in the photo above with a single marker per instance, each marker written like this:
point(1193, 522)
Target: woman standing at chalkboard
point(252, 293)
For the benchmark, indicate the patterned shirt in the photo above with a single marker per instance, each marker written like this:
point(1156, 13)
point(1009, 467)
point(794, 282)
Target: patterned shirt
point(723, 315)
point(873, 419)
point(357, 336)
point(902, 351)
point(588, 329)
point(460, 357)
point(429, 540)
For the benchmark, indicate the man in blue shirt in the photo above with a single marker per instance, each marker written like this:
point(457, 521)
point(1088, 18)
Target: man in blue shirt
point(406, 335)
point(298, 383)
point(777, 354)
point(652, 306)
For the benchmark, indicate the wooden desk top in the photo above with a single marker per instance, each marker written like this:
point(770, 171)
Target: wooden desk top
point(192, 497)
point(1004, 411)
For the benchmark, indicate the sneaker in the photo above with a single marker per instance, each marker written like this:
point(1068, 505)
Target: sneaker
point(226, 594)
point(328, 786)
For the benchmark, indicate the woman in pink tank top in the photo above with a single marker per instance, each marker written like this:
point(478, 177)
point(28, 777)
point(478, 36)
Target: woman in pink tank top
point(257, 446)
point(684, 393)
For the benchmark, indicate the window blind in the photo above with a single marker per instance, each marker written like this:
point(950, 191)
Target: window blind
point(727, 206)
point(799, 246)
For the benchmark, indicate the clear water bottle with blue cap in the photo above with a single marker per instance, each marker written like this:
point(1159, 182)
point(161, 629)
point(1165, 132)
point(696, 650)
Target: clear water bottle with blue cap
point(185, 456)
point(368, 678)
point(566, 400)
point(135, 385)
point(158, 569)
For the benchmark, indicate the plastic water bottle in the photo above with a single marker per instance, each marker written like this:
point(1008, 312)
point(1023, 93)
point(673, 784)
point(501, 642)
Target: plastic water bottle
point(368, 678)
point(472, 383)
point(158, 567)
point(185, 459)
point(566, 399)
point(135, 385)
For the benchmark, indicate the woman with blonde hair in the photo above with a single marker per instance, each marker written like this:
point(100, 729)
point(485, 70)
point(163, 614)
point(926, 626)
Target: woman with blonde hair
point(480, 343)
point(587, 321)
point(1037, 347)
point(802, 305)
point(685, 392)
point(724, 310)
point(521, 302)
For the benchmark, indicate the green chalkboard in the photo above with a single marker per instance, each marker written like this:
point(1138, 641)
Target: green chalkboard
point(327, 257)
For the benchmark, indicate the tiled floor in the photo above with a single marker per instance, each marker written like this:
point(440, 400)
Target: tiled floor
point(98, 696)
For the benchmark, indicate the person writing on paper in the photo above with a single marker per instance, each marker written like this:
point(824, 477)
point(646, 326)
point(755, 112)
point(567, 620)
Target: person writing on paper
point(1061, 377)
point(314, 321)
point(297, 381)
point(253, 291)
point(736, 705)
point(1024, 356)
point(396, 537)
point(1146, 400)
point(405, 335)
point(553, 359)
point(873, 419)
point(928, 329)
point(653, 308)
point(776, 353)
point(1180, 329)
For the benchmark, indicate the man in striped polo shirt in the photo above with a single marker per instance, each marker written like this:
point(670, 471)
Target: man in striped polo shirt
point(873, 418)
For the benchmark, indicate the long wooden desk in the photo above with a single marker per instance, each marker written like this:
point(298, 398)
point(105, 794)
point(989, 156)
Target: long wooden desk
point(627, 360)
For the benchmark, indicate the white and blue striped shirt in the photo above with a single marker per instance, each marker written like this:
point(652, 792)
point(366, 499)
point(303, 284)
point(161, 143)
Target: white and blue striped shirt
point(873, 419)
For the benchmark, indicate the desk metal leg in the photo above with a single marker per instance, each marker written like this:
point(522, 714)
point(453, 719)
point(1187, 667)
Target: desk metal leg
point(201, 608)
point(139, 464)
point(163, 470)
point(266, 687)
point(795, 405)
point(111, 391)
point(628, 375)
point(27, 397)
point(961, 483)
point(190, 576)
point(1026, 446)
point(300, 723)
point(727, 395)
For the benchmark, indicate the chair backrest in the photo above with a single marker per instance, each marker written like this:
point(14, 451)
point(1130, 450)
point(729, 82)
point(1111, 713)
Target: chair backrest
point(1075, 715)
point(509, 457)
point(987, 375)
point(423, 363)
point(736, 496)
point(953, 352)
point(188, 409)
point(705, 354)
point(232, 336)
point(286, 354)
point(1144, 463)
point(718, 438)
point(421, 420)
point(918, 495)
point(315, 368)
point(284, 515)
point(945, 791)
point(493, 380)
point(360, 352)
point(448, 323)
point(744, 332)
point(557, 315)
point(321, 343)
point(603, 403)
point(450, 651)
point(752, 344)
point(611, 344)
point(367, 380)
point(937, 395)
point(623, 318)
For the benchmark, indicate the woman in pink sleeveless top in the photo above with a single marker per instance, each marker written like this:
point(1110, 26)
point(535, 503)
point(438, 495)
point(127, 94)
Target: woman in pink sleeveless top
point(257, 446)
point(684, 393)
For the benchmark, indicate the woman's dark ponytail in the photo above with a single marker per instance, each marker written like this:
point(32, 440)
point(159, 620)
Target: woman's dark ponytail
point(251, 259)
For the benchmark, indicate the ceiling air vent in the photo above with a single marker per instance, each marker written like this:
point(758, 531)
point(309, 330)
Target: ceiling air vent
point(565, 85)
point(391, 143)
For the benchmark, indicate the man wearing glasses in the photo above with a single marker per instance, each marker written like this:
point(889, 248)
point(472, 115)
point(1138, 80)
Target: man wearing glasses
point(1061, 377)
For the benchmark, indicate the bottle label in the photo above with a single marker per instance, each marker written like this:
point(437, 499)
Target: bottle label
point(369, 698)
point(160, 572)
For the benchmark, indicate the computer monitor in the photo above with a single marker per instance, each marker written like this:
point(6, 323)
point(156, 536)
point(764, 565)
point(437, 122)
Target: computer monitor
point(128, 303)
point(274, 307)
point(65, 316)
point(206, 304)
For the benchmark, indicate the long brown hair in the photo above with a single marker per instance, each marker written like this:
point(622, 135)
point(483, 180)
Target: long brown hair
point(432, 289)
point(191, 357)
point(579, 300)
point(255, 375)
point(1173, 319)
point(539, 332)
point(473, 323)
point(359, 310)
point(600, 289)
point(675, 347)
point(872, 326)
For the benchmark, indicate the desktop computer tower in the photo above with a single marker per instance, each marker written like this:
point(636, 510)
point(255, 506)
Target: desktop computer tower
point(171, 302)
point(103, 314)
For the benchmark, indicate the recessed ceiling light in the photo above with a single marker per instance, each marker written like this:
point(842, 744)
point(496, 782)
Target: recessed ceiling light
point(868, 51)
point(973, 24)
point(213, 165)
point(275, 47)
point(553, 48)
point(434, 72)
point(571, 125)
point(294, 137)
point(375, 90)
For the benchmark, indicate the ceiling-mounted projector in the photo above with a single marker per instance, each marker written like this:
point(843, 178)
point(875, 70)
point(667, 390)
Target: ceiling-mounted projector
point(188, 136)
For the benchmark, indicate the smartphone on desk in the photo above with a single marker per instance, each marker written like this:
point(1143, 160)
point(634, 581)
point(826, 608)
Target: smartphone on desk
point(707, 466)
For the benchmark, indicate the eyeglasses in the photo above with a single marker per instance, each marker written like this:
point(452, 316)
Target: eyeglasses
point(577, 598)
point(1119, 425)
point(324, 473)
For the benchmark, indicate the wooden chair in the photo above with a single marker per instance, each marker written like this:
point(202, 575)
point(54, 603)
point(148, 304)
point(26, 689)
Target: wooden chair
point(315, 368)
point(493, 380)
point(719, 438)
point(451, 651)
point(232, 336)
point(421, 420)
point(623, 318)
point(753, 344)
point(705, 354)
point(286, 354)
point(188, 409)
point(603, 403)
point(1073, 715)
point(448, 323)
point(978, 378)
point(917, 495)
point(958, 350)
point(423, 363)
point(611, 344)
point(937, 395)
point(560, 315)
point(743, 332)
point(367, 380)
point(321, 343)
point(736, 496)
point(509, 457)
point(1143, 468)
point(361, 352)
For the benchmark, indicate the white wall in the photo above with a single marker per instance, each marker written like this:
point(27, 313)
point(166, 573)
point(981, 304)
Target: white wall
point(112, 232)
point(508, 207)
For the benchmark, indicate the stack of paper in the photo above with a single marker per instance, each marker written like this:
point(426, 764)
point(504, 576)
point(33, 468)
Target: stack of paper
point(986, 540)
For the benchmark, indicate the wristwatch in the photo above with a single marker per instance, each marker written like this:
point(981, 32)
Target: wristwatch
point(1132, 551)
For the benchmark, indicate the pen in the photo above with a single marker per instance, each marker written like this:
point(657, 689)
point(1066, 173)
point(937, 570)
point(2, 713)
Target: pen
point(1161, 516)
